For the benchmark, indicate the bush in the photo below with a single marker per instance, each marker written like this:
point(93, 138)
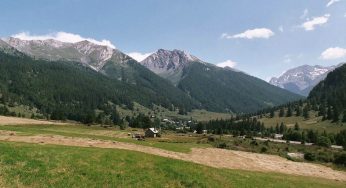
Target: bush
point(222, 145)
point(340, 159)
point(211, 139)
point(323, 141)
point(325, 157)
point(264, 149)
point(309, 156)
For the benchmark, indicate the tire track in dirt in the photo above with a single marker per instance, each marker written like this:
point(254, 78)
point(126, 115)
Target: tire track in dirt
point(213, 157)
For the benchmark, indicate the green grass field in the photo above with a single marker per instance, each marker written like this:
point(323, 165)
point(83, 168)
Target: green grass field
point(160, 112)
point(168, 142)
point(313, 122)
point(32, 165)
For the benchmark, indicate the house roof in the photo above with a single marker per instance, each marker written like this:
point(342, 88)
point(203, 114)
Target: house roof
point(153, 130)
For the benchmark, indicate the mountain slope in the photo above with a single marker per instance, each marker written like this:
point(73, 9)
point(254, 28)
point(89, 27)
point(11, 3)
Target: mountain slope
point(67, 90)
point(110, 62)
point(302, 79)
point(332, 90)
point(217, 89)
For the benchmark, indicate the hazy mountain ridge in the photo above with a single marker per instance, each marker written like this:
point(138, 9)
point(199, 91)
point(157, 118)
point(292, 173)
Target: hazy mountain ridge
point(88, 53)
point(302, 79)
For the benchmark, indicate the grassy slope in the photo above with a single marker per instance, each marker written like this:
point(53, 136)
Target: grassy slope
point(34, 165)
point(313, 122)
point(168, 143)
point(160, 112)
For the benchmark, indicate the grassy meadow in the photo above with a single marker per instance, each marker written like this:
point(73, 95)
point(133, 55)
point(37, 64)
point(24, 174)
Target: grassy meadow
point(171, 142)
point(314, 122)
point(33, 165)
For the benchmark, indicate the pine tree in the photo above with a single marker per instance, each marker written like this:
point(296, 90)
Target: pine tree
point(335, 115)
point(306, 112)
point(329, 113)
point(282, 112)
point(296, 127)
point(272, 114)
point(283, 128)
point(298, 111)
point(289, 112)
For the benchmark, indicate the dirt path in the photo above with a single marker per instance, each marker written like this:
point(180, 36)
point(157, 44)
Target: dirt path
point(213, 157)
point(4, 120)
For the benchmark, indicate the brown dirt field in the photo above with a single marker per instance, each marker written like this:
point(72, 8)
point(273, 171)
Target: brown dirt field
point(4, 120)
point(213, 157)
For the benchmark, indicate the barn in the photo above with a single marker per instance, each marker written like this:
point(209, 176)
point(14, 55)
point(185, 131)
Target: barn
point(151, 132)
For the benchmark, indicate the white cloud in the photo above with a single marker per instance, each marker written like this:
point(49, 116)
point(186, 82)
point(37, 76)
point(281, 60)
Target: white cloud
point(310, 25)
point(333, 53)
point(305, 14)
point(332, 2)
point(251, 34)
point(63, 37)
point(227, 63)
point(139, 56)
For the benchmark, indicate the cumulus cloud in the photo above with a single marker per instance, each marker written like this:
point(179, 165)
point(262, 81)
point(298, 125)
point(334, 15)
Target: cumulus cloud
point(251, 34)
point(63, 37)
point(310, 25)
point(332, 2)
point(227, 63)
point(333, 53)
point(139, 56)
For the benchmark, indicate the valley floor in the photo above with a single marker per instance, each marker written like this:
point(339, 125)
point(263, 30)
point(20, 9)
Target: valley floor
point(212, 157)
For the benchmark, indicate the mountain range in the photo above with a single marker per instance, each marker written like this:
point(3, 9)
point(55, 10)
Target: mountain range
point(302, 79)
point(167, 78)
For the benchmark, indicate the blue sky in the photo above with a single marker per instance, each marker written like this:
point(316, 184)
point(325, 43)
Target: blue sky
point(213, 30)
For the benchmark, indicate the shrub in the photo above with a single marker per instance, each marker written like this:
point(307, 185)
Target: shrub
point(222, 145)
point(309, 156)
point(325, 157)
point(340, 159)
point(323, 141)
point(264, 149)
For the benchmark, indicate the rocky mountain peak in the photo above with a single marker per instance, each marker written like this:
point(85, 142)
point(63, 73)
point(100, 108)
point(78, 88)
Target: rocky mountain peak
point(166, 60)
point(302, 79)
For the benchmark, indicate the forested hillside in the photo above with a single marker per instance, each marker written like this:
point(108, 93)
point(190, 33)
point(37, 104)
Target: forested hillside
point(330, 95)
point(220, 89)
point(65, 90)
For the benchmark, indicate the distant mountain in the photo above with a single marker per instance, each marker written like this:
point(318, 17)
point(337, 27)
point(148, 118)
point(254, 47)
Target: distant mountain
point(217, 89)
point(302, 79)
point(88, 53)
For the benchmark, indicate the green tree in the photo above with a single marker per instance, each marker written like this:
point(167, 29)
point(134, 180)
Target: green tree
point(323, 141)
point(282, 112)
point(296, 127)
point(306, 112)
